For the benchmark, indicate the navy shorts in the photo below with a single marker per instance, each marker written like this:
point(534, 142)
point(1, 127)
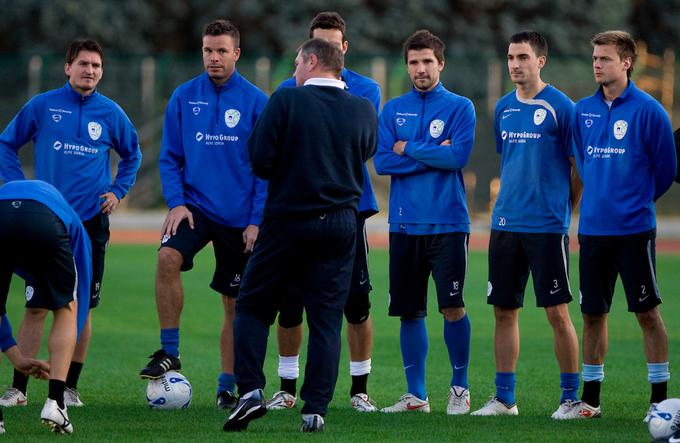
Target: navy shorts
point(513, 254)
point(228, 246)
point(413, 258)
point(358, 304)
point(633, 257)
point(34, 240)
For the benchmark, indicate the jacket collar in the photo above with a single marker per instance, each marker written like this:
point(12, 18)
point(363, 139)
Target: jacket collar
point(630, 90)
point(231, 81)
point(431, 93)
point(75, 96)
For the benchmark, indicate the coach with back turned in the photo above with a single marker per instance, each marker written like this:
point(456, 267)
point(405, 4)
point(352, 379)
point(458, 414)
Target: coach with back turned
point(311, 143)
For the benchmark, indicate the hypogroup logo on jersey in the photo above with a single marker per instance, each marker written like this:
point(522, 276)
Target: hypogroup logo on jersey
point(519, 137)
point(215, 140)
point(72, 149)
point(597, 152)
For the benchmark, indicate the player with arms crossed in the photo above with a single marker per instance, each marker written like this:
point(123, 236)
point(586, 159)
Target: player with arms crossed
point(330, 26)
point(425, 139)
point(623, 145)
point(211, 192)
point(74, 129)
point(539, 186)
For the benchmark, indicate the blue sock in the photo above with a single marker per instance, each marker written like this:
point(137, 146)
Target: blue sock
point(592, 372)
point(658, 372)
point(505, 387)
point(457, 339)
point(569, 383)
point(413, 338)
point(170, 341)
point(226, 382)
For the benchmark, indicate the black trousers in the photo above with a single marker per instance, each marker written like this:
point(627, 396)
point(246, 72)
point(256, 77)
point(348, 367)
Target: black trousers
point(315, 254)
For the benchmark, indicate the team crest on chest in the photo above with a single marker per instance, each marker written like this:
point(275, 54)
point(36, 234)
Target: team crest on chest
point(539, 116)
point(95, 130)
point(620, 129)
point(436, 128)
point(232, 117)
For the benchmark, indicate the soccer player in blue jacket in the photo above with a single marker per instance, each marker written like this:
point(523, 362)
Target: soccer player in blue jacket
point(424, 141)
point(623, 145)
point(74, 129)
point(529, 225)
point(41, 236)
point(330, 26)
point(212, 194)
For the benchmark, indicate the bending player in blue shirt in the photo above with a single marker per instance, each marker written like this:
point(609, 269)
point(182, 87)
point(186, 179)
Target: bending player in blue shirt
point(212, 194)
point(424, 141)
point(530, 221)
point(42, 237)
point(74, 129)
point(623, 145)
point(330, 26)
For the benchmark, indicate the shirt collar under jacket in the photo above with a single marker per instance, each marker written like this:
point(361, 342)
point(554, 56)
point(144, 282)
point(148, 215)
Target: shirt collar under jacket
point(431, 93)
point(318, 81)
point(75, 95)
point(231, 81)
point(626, 92)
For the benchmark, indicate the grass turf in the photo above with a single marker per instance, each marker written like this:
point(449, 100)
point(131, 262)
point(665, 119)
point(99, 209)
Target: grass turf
point(126, 331)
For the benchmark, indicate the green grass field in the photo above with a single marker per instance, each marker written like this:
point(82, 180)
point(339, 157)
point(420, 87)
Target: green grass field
point(126, 331)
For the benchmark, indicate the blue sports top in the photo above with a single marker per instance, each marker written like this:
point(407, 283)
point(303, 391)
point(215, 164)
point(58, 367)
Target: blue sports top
point(73, 135)
point(365, 87)
point(534, 140)
point(49, 196)
point(204, 152)
point(427, 181)
point(626, 157)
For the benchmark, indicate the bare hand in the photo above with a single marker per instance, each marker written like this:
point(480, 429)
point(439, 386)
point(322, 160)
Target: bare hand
point(174, 218)
point(37, 368)
point(249, 237)
point(399, 147)
point(446, 142)
point(110, 203)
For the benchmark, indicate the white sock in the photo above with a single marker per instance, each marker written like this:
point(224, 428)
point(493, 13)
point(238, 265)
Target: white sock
point(360, 367)
point(289, 367)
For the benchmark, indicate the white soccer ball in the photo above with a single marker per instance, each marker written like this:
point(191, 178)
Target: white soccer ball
point(171, 391)
point(664, 419)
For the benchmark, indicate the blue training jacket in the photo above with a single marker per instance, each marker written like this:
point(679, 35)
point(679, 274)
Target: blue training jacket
point(626, 157)
point(73, 135)
point(48, 195)
point(534, 139)
point(204, 153)
point(368, 88)
point(427, 181)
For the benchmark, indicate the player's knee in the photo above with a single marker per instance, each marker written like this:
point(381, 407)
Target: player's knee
point(169, 260)
point(558, 317)
point(593, 320)
point(453, 314)
point(35, 315)
point(650, 319)
point(290, 319)
point(357, 309)
point(505, 316)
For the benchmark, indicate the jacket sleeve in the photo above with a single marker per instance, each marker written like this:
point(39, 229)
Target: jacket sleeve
point(263, 142)
point(6, 338)
point(497, 127)
point(171, 160)
point(127, 147)
point(20, 131)
point(449, 157)
point(82, 255)
point(576, 142)
point(661, 149)
point(374, 97)
point(260, 191)
point(386, 161)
